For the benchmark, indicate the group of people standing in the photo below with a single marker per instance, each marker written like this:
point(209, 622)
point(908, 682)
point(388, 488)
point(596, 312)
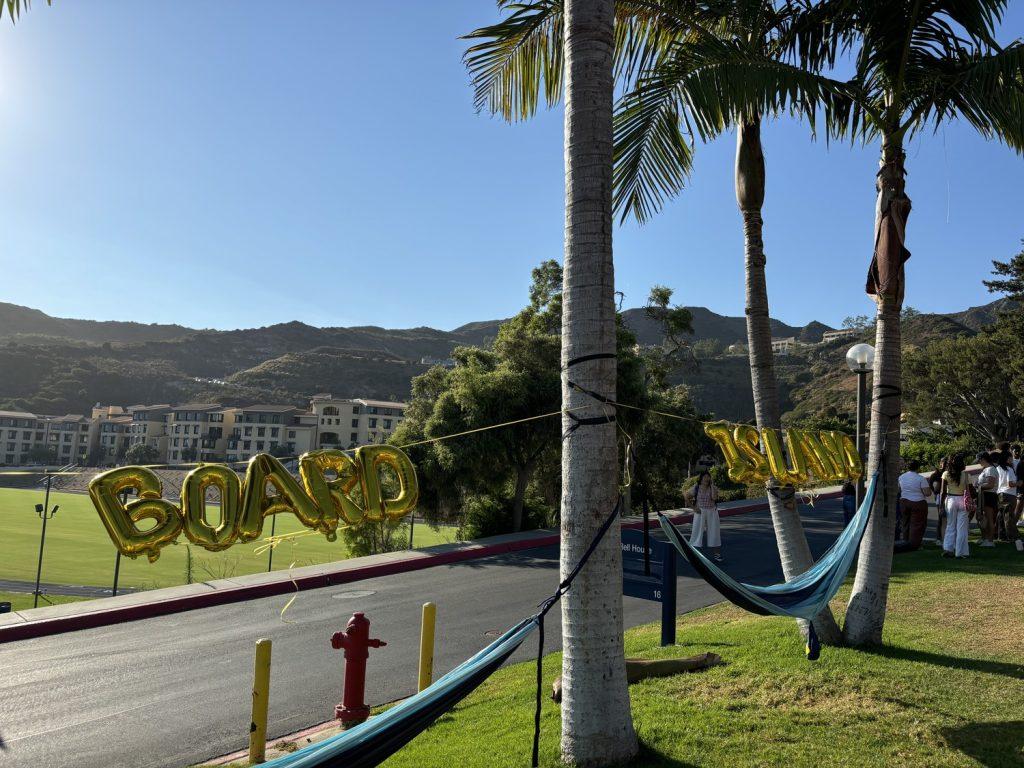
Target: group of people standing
point(995, 497)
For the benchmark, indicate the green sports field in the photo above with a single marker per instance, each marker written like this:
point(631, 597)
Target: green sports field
point(78, 550)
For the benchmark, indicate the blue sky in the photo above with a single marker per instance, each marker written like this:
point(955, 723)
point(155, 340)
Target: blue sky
point(237, 164)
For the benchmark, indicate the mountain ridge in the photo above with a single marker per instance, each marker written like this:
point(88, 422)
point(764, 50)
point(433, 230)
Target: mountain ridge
point(61, 365)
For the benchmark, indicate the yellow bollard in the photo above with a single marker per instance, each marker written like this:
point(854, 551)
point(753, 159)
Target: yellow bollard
point(260, 700)
point(427, 645)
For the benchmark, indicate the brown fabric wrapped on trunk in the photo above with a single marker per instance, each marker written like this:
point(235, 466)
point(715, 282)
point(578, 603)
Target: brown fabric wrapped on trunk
point(885, 275)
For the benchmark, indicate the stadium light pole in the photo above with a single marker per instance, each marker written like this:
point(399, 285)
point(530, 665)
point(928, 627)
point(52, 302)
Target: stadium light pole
point(44, 511)
point(861, 360)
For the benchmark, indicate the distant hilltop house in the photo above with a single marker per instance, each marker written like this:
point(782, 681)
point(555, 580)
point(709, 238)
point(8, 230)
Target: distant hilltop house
point(784, 346)
point(195, 431)
point(842, 333)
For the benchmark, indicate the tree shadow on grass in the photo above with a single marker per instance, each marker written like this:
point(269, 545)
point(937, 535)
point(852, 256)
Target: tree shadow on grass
point(652, 758)
point(1006, 669)
point(991, 744)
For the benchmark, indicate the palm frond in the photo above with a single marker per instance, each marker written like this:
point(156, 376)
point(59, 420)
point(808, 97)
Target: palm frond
point(518, 58)
point(15, 7)
point(652, 156)
point(985, 89)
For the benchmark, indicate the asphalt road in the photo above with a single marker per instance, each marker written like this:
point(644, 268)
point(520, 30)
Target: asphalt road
point(174, 690)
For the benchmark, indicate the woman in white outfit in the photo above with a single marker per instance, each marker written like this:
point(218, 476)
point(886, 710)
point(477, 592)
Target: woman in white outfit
point(954, 485)
point(704, 500)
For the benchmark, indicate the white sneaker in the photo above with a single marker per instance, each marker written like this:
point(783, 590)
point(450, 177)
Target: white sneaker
point(987, 543)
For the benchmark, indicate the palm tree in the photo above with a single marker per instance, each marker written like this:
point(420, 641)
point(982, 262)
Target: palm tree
point(579, 40)
point(597, 728)
point(690, 65)
point(698, 85)
point(918, 64)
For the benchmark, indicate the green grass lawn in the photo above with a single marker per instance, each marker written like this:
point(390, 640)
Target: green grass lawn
point(79, 551)
point(946, 688)
point(21, 600)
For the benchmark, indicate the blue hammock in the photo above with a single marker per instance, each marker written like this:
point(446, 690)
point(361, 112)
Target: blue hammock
point(804, 596)
point(371, 742)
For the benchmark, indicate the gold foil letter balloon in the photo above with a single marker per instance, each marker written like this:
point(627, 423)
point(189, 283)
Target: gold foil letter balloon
point(721, 433)
point(289, 497)
point(193, 506)
point(371, 459)
point(797, 475)
point(854, 465)
point(121, 521)
point(818, 459)
point(332, 496)
point(747, 438)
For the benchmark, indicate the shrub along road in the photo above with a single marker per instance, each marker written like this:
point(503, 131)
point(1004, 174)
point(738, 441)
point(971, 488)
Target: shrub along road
point(174, 690)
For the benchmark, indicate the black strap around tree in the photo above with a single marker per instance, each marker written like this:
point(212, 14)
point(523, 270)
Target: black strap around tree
point(585, 358)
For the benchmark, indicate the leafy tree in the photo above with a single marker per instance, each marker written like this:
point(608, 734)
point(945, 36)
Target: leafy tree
point(280, 451)
point(668, 444)
point(960, 382)
point(857, 323)
point(375, 538)
point(1009, 279)
point(675, 350)
point(706, 349)
point(140, 454)
point(42, 454)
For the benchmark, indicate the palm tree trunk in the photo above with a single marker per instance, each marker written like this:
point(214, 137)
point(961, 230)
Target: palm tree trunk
point(865, 613)
point(597, 728)
point(794, 551)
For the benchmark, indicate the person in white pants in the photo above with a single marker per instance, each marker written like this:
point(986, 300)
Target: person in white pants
point(954, 485)
point(706, 524)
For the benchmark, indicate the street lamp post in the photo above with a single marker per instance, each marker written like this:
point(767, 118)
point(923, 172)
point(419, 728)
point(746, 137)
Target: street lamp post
point(44, 511)
point(861, 360)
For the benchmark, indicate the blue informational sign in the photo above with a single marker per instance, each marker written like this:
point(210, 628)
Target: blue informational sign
point(658, 583)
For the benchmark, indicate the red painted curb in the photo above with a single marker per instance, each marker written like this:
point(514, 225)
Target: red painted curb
point(286, 585)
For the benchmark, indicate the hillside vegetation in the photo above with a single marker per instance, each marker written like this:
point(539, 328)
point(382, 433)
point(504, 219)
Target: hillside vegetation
point(57, 365)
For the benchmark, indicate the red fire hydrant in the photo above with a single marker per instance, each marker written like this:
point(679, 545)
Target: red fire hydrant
point(357, 644)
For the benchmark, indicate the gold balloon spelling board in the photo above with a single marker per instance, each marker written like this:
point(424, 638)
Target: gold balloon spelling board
point(323, 501)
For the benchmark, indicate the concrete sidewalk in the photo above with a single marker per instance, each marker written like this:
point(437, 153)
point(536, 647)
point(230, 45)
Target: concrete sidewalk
point(67, 617)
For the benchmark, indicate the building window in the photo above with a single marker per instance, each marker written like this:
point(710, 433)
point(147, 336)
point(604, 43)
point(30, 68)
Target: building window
point(355, 437)
point(373, 423)
point(261, 431)
point(291, 434)
point(274, 431)
point(248, 431)
point(259, 445)
point(330, 410)
point(355, 409)
point(387, 423)
point(246, 444)
point(355, 423)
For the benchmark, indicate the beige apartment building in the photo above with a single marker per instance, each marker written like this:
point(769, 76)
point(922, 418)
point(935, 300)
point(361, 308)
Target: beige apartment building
point(346, 423)
point(279, 429)
point(20, 432)
point(196, 431)
point(149, 427)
